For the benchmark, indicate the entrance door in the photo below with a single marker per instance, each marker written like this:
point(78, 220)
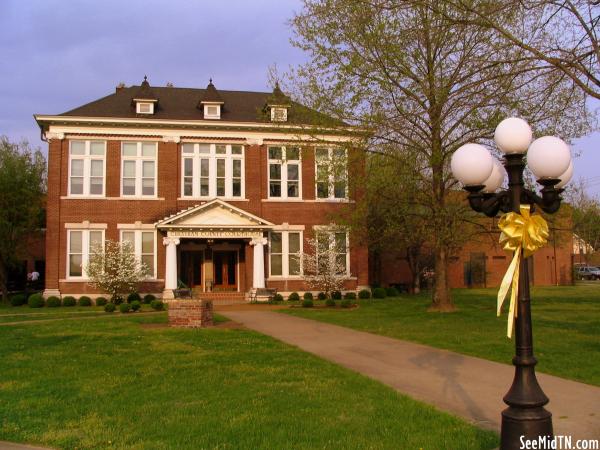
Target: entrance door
point(191, 268)
point(225, 270)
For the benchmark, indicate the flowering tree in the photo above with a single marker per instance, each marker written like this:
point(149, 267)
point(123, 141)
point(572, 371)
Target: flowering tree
point(114, 269)
point(322, 267)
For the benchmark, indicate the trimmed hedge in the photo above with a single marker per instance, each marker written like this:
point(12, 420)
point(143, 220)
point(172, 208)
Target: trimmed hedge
point(135, 305)
point(53, 302)
point(84, 300)
point(346, 303)
point(294, 297)
point(157, 305)
point(278, 298)
point(336, 295)
point(307, 303)
point(321, 296)
point(350, 296)
point(18, 299)
point(330, 302)
point(307, 296)
point(35, 301)
point(124, 307)
point(379, 293)
point(134, 297)
point(101, 301)
point(110, 307)
point(148, 298)
point(69, 301)
point(392, 292)
point(364, 294)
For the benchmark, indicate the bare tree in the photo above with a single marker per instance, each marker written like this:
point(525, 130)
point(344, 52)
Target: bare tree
point(322, 269)
point(412, 77)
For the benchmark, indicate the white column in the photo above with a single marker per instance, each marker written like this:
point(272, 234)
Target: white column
point(258, 274)
point(171, 266)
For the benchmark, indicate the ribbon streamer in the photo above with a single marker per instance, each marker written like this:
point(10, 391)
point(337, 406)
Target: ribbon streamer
point(522, 234)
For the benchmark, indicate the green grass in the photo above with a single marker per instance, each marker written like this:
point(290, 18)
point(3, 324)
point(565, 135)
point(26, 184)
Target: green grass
point(113, 383)
point(566, 325)
point(24, 313)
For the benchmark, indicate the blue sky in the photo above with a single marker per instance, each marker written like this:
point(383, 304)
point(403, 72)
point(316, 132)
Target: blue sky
point(57, 55)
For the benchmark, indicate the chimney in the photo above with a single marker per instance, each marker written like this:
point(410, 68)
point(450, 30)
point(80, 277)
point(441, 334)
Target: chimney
point(120, 87)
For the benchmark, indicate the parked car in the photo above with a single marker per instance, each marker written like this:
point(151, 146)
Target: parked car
point(587, 273)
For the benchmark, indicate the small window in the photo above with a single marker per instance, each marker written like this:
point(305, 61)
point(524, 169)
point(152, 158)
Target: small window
point(145, 108)
point(278, 114)
point(81, 244)
point(212, 111)
point(284, 172)
point(144, 248)
point(285, 250)
point(138, 169)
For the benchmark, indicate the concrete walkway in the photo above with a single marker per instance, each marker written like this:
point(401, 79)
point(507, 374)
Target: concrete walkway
point(466, 386)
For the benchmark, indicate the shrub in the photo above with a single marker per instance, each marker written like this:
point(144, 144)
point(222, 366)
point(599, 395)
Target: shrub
point(365, 293)
point(18, 299)
point(278, 298)
point(134, 297)
point(124, 307)
point(307, 303)
point(110, 307)
point(330, 302)
point(346, 303)
point(307, 296)
point(294, 297)
point(135, 305)
point(69, 301)
point(101, 301)
point(148, 298)
point(53, 302)
point(392, 292)
point(84, 300)
point(379, 293)
point(116, 299)
point(157, 305)
point(350, 295)
point(35, 301)
point(336, 295)
point(321, 296)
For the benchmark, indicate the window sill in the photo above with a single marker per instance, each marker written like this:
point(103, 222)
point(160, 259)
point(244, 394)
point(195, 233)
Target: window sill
point(86, 280)
point(333, 200)
point(282, 200)
point(282, 278)
point(86, 197)
point(207, 199)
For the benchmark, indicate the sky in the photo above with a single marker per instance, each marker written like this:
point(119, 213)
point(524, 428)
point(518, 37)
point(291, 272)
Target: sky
point(56, 55)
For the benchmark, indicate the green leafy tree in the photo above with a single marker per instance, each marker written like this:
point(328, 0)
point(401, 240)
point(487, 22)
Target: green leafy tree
point(585, 218)
point(22, 192)
point(410, 77)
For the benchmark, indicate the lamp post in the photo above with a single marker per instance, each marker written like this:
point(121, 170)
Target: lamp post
point(549, 158)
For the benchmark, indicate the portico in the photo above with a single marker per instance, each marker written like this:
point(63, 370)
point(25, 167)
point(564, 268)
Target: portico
point(208, 248)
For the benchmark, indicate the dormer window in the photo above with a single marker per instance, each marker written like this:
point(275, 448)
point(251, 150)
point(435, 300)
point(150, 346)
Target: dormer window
point(144, 108)
point(278, 114)
point(212, 111)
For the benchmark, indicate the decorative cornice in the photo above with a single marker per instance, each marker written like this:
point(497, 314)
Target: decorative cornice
point(176, 139)
point(51, 135)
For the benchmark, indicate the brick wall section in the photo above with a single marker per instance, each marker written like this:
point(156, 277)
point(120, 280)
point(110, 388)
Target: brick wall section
point(190, 313)
point(53, 234)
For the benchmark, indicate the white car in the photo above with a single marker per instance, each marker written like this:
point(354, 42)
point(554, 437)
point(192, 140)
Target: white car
point(587, 273)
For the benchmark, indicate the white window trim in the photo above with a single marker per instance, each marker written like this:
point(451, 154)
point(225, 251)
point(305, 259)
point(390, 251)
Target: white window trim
point(138, 245)
point(285, 254)
point(331, 231)
point(138, 169)
point(212, 156)
point(281, 109)
point(208, 115)
point(85, 251)
point(87, 169)
point(138, 108)
point(331, 180)
point(284, 174)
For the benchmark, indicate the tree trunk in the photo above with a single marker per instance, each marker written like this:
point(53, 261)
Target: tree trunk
point(441, 299)
point(3, 287)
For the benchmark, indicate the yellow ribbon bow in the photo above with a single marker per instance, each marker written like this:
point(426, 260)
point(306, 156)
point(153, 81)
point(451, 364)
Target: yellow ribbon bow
point(521, 233)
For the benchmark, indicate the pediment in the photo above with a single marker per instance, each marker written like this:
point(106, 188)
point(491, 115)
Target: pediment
point(214, 214)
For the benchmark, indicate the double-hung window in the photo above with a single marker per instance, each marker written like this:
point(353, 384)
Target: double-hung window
point(332, 248)
point(144, 247)
point(284, 172)
point(285, 250)
point(80, 245)
point(87, 168)
point(331, 173)
point(212, 170)
point(138, 169)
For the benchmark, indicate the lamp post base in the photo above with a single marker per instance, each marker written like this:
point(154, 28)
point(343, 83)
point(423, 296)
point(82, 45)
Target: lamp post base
point(521, 424)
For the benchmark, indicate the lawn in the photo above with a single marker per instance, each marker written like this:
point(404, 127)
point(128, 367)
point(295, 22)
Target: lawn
point(131, 383)
point(23, 313)
point(566, 324)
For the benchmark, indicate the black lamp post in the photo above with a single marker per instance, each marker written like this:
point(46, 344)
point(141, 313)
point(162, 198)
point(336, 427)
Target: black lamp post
point(550, 160)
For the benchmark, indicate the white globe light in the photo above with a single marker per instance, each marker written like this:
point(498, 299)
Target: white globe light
point(565, 177)
point(472, 164)
point(548, 157)
point(513, 135)
point(495, 180)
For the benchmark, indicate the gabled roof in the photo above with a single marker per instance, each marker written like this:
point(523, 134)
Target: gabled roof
point(144, 92)
point(214, 214)
point(211, 95)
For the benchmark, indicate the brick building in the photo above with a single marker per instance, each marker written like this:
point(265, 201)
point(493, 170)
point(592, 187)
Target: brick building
point(218, 190)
